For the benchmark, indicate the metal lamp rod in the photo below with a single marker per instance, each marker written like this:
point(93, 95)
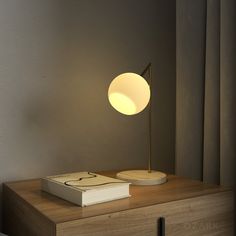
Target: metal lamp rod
point(148, 70)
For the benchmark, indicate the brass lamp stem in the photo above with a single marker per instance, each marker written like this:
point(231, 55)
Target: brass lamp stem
point(149, 70)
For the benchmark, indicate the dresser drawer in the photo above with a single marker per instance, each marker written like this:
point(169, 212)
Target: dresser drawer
point(210, 214)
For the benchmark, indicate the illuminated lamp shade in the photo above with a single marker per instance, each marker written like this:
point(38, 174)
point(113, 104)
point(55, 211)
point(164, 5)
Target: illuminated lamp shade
point(129, 93)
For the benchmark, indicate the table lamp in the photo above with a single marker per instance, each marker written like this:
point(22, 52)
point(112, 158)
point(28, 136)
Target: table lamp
point(129, 94)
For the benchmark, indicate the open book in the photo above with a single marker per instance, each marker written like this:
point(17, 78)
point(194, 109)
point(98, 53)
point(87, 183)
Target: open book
point(85, 188)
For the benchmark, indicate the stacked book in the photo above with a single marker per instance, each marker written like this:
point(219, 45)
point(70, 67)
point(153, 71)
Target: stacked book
point(85, 188)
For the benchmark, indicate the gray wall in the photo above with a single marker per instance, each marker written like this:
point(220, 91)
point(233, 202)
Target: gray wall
point(57, 58)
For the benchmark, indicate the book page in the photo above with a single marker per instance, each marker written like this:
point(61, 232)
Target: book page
point(86, 180)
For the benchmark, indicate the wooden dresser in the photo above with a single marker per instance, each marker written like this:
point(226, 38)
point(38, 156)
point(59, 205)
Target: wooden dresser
point(180, 207)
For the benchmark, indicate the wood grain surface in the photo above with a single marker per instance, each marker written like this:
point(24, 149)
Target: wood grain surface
point(205, 215)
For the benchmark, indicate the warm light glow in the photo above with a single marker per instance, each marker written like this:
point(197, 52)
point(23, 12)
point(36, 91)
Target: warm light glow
point(129, 93)
point(122, 103)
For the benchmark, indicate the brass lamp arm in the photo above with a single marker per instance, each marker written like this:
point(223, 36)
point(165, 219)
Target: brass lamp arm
point(146, 69)
point(149, 70)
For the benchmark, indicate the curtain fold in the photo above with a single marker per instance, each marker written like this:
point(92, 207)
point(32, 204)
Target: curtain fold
point(211, 148)
point(206, 90)
point(190, 54)
point(228, 92)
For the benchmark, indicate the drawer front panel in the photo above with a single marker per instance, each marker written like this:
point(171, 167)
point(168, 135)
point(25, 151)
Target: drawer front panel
point(206, 215)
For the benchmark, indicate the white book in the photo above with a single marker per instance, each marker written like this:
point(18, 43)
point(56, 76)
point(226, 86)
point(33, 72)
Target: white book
point(85, 188)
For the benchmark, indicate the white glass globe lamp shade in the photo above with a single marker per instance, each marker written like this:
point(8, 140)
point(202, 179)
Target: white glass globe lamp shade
point(129, 93)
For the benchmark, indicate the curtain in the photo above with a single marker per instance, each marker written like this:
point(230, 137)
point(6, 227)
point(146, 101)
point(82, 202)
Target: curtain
point(206, 90)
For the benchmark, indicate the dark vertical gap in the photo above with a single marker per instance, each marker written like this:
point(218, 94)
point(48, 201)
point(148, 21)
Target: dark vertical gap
point(175, 112)
point(219, 158)
point(219, 86)
point(175, 69)
point(204, 90)
point(161, 226)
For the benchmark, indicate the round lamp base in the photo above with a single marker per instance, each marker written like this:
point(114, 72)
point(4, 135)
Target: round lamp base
point(142, 177)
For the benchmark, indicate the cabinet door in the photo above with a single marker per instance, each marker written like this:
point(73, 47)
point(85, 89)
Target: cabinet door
point(205, 215)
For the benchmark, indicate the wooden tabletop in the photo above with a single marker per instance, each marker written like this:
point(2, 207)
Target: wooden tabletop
point(58, 210)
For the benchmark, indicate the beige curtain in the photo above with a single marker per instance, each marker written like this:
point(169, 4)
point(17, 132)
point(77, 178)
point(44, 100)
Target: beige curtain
point(206, 90)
